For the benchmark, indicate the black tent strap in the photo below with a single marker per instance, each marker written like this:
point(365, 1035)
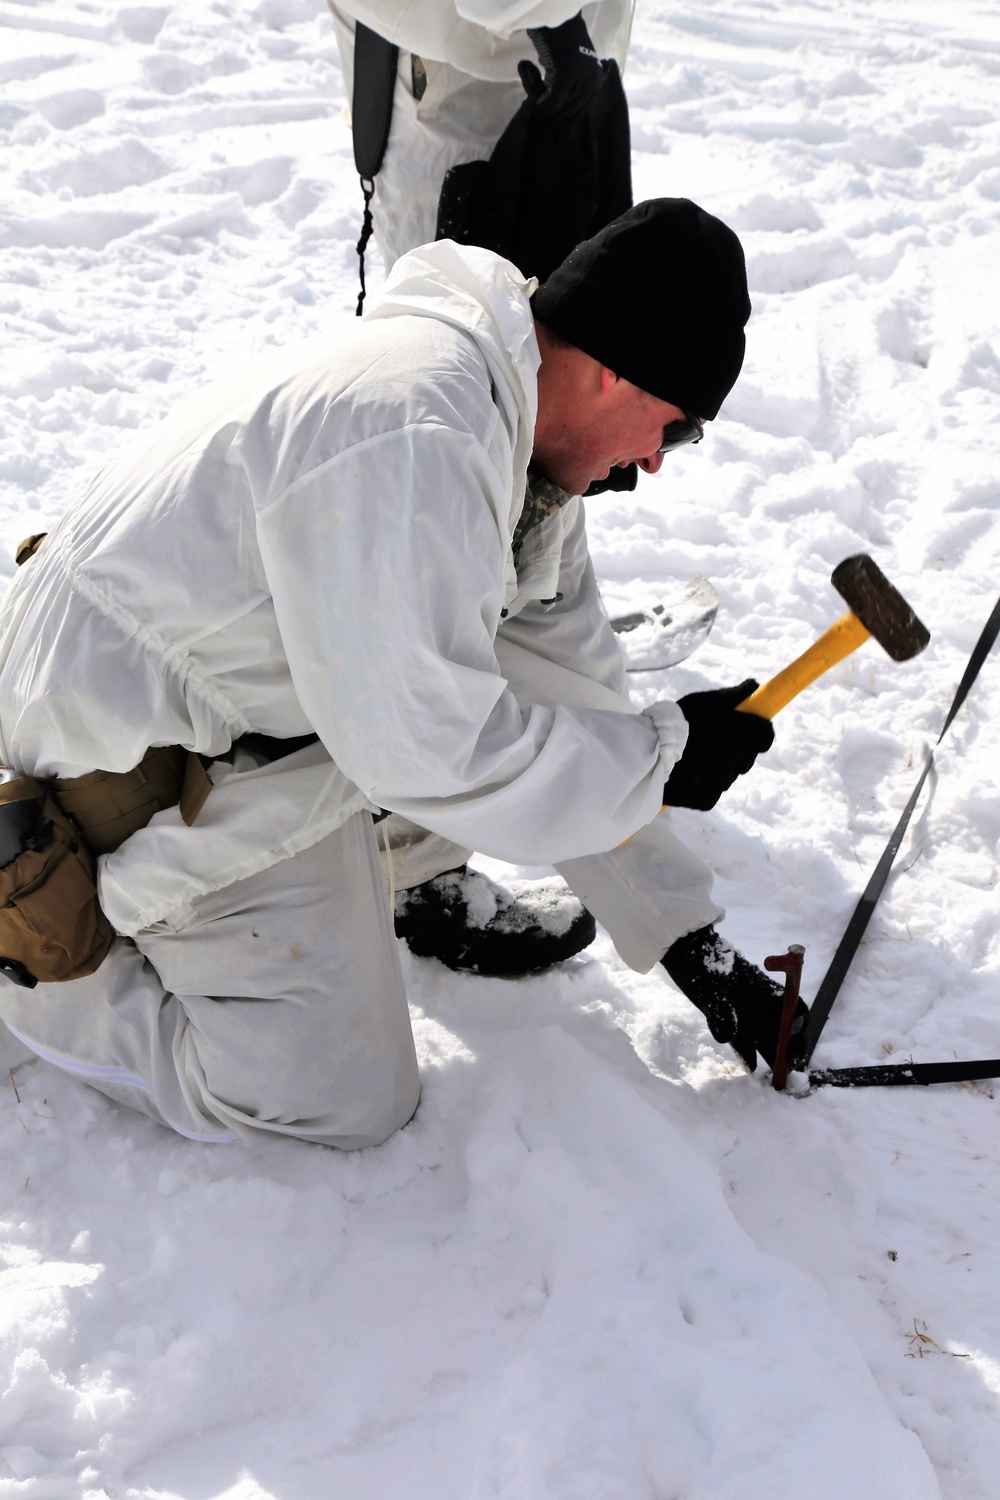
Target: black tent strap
point(847, 947)
point(835, 975)
point(890, 1075)
point(981, 651)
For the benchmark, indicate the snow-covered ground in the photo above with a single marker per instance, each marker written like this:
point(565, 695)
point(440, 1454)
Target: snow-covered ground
point(602, 1263)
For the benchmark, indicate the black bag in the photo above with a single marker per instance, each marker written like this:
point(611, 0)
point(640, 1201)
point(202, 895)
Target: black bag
point(553, 180)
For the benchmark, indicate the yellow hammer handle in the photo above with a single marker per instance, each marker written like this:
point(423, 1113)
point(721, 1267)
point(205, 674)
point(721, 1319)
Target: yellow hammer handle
point(843, 637)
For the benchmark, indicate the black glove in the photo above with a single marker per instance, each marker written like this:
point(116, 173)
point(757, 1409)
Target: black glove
point(722, 744)
point(573, 71)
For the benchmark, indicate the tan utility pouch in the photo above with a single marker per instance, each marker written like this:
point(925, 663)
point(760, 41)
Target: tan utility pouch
point(109, 806)
point(51, 923)
point(50, 918)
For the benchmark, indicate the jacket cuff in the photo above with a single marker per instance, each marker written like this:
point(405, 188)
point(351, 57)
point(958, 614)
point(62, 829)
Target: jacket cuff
point(672, 728)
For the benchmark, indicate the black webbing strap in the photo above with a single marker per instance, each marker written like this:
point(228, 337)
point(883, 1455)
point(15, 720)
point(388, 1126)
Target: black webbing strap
point(848, 946)
point(835, 975)
point(894, 1074)
point(375, 62)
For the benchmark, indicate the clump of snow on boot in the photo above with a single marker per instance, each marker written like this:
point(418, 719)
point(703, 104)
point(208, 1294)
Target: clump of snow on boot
point(471, 922)
point(720, 958)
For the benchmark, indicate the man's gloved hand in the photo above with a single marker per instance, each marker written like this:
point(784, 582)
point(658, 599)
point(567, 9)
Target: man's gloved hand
point(722, 744)
point(573, 71)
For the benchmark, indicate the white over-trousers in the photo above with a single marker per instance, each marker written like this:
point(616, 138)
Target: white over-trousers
point(458, 119)
point(277, 1006)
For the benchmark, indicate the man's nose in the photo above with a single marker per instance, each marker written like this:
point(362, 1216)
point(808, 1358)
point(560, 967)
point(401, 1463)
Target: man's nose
point(651, 465)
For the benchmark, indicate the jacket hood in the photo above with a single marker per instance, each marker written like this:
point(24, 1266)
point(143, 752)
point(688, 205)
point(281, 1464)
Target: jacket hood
point(485, 297)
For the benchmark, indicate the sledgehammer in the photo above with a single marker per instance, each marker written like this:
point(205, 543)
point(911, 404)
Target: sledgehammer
point(875, 609)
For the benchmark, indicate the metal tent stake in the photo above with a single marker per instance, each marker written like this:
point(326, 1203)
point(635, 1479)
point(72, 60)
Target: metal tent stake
point(884, 1075)
point(789, 964)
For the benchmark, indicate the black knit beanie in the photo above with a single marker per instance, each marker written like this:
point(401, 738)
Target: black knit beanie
point(660, 297)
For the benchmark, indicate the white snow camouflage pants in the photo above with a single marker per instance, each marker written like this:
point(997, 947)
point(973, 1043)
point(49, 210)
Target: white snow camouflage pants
point(277, 1005)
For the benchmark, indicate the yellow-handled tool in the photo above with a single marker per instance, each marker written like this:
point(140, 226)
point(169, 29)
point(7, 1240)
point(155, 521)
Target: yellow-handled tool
point(875, 609)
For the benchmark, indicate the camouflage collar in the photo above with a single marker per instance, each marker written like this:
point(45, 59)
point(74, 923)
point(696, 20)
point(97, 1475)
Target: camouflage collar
point(542, 499)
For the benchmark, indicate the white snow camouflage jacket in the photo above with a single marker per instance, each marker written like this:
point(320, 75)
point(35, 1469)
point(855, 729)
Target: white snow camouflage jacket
point(323, 542)
point(487, 38)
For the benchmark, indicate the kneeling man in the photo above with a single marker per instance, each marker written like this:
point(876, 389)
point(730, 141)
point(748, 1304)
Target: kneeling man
point(322, 582)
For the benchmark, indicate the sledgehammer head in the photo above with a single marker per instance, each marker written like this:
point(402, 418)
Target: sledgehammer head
point(881, 609)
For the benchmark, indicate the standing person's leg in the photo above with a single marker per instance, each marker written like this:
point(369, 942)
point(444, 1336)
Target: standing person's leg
point(277, 1006)
point(441, 116)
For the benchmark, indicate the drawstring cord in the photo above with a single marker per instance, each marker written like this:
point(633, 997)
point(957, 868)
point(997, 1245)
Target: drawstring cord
point(388, 864)
point(368, 189)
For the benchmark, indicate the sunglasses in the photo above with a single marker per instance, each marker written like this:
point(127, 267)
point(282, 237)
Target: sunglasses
point(685, 430)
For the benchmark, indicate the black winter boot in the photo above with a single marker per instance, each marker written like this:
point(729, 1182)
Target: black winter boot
point(469, 922)
point(741, 1004)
